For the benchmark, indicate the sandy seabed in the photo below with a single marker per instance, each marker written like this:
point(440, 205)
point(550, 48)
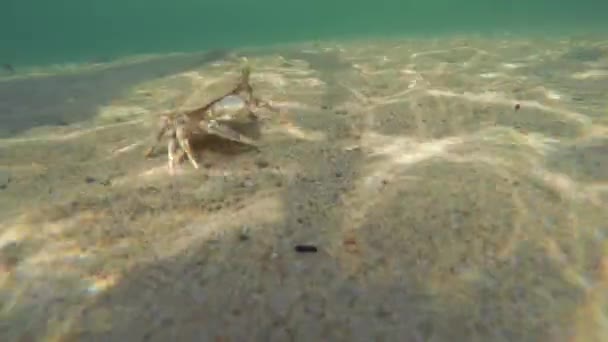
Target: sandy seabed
point(440, 212)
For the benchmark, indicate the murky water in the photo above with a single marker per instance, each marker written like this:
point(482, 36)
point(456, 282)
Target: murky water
point(74, 31)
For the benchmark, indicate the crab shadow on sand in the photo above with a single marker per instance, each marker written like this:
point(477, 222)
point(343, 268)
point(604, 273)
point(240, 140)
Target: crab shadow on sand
point(60, 100)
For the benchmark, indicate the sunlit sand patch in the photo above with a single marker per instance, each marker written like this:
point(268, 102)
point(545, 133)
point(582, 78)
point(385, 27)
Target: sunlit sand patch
point(534, 57)
point(494, 161)
point(403, 152)
point(305, 85)
point(506, 151)
point(413, 77)
point(127, 148)
point(275, 79)
point(361, 68)
point(552, 95)
point(600, 187)
point(445, 51)
point(101, 283)
point(356, 93)
point(591, 318)
point(568, 187)
point(196, 77)
point(297, 132)
point(310, 82)
point(400, 153)
point(512, 66)
point(295, 73)
point(156, 171)
point(559, 257)
point(291, 105)
point(540, 143)
point(396, 98)
point(595, 131)
point(590, 74)
point(310, 51)
point(219, 64)
point(408, 71)
point(63, 256)
point(406, 151)
point(498, 98)
point(373, 101)
point(56, 229)
point(371, 70)
point(491, 75)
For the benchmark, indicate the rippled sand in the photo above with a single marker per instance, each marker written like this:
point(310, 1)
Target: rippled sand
point(439, 211)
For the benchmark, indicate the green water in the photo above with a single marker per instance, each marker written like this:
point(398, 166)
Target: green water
point(39, 32)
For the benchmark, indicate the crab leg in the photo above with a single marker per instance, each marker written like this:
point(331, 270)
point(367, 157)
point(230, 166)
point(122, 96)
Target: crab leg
point(171, 150)
point(184, 142)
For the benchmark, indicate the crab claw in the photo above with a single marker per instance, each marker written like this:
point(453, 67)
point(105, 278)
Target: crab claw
point(221, 130)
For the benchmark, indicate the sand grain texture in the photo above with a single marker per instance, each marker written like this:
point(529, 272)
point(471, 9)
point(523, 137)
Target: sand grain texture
point(440, 213)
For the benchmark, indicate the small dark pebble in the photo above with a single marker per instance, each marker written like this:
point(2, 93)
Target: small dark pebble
point(261, 163)
point(306, 249)
point(91, 180)
point(338, 174)
point(517, 106)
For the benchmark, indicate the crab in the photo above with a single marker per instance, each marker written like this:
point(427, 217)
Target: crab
point(180, 128)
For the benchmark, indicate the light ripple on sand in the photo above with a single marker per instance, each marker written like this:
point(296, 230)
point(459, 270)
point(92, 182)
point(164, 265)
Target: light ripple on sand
point(499, 98)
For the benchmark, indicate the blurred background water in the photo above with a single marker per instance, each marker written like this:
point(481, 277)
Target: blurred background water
point(39, 32)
